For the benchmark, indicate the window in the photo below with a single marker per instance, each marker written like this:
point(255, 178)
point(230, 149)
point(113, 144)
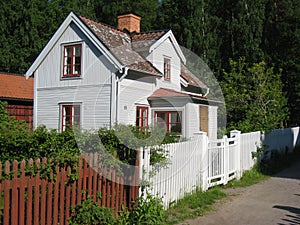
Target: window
point(172, 121)
point(72, 61)
point(167, 68)
point(142, 118)
point(70, 116)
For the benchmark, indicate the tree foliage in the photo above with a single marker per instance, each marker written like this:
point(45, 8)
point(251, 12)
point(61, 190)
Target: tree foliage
point(254, 97)
point(216, 30)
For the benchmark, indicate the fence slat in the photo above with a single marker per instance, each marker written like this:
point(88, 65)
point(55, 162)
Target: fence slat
point(43, 196)
point(22, 193)
point(29, 195)
point(56, 196)
point(15, 195)
point(7, 195)
point(31, 199)
point(68, 200)
point(49, 203)
point(37, 195)
point(62, 196)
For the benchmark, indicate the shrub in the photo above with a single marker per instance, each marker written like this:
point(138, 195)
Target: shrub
point(147, 210)
point(89, 213)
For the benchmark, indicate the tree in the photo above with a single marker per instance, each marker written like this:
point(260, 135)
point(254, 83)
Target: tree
point(282, 44)
point(254, 97)
point(107, 11)
point(196, 27)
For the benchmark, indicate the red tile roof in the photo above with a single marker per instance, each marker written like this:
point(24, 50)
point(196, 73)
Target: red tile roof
point(15, 86)
point(165, 92)
point(119, 44)
point(191, 78)
point(128, 48)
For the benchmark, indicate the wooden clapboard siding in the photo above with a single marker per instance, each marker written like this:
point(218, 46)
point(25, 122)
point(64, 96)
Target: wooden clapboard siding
point(156, 57)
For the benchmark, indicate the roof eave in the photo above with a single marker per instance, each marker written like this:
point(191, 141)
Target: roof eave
point(170, 35)
point(72, 17)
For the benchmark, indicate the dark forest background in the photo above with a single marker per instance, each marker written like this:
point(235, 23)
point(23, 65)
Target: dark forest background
point(251, 46)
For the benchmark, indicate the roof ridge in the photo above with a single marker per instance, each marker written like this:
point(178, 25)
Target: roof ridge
point(152, 31)
point(101, 24)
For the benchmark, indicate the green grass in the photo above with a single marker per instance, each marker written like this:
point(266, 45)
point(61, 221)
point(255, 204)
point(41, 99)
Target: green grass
point(199, 202)
point(193, 205)
point(249, 178)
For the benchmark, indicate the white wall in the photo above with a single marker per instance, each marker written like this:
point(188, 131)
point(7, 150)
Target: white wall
point(94, 99)
point(166, 49)
point(133, 93)
point(95, 67)
point(192, 119)
point(213, 122)
point(93, 89)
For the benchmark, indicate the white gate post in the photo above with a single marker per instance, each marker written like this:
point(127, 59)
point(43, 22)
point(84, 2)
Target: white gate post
point(202, 141)
point(239, 170)
point(225, 159)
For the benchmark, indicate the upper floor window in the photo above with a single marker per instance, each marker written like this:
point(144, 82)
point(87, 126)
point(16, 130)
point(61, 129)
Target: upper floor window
point(167, 68)
point(142, 118)
point(70, 116)
point(72, 60)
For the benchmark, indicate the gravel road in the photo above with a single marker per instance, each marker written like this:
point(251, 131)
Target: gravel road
point(274, 201)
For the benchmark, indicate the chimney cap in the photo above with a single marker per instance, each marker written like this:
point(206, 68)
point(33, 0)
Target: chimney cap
point(128, 13)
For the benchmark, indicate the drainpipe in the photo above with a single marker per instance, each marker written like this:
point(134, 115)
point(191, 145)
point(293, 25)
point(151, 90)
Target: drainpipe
point(123, 71)
point(207, 92)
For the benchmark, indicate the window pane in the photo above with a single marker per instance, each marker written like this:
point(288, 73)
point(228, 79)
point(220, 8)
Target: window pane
point(77, 69)
point(142, 117)
point(176, 128)
point(145, 122)
point(72, 60)
point(175, 117)
point(77, 115)
point(161, 117)
point(67, 117)
point(68, 52)
point(78, 50)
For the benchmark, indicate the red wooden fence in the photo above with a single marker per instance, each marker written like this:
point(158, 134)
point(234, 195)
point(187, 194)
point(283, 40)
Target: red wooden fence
point(32, 200)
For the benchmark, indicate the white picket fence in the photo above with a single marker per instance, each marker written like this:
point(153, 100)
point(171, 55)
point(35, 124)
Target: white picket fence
point(204, 163)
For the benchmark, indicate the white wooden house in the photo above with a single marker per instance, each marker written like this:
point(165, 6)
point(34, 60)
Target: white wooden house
point(95, 75)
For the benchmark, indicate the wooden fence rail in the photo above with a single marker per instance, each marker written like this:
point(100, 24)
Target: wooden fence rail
point(32, 200)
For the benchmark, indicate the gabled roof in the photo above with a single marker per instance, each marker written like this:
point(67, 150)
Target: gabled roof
point(73, 18)
point(143, 41)
point(191, 78)
point(15, 86)
point(119, 44)
point(122, 49)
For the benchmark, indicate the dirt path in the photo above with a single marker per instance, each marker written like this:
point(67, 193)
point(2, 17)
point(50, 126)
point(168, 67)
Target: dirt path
point(274, 201)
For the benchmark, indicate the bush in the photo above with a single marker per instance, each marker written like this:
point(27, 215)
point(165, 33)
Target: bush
point(147, 211)
point(89, 213)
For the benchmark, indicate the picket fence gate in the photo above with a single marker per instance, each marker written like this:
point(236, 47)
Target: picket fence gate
point(199, 162)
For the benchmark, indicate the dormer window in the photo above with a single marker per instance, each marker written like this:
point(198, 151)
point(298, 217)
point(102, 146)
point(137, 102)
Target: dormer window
point(72, 60)
point(167, 68)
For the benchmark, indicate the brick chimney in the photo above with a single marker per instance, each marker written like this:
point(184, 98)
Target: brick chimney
point(130, 22)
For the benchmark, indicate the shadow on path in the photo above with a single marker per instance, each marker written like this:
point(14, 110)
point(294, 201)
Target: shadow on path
point(293, 217)
point(292, 172)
